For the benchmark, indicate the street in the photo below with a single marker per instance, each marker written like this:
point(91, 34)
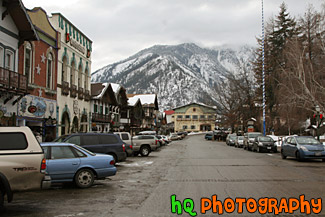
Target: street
point(191, 168)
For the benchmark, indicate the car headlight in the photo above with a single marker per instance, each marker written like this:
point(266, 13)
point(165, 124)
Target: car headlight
point(304, 148)
point(260, 144)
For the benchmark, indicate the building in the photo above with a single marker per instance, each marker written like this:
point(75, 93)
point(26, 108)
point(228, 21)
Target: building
point(151, 110)
point(135, 116)
point(38, 60)
point(120, 114)
point(15, 28)
point(194, 117)
point(103, 103)
point(73, 80)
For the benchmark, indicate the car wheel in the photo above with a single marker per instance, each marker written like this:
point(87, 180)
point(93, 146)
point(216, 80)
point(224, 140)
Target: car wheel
point(84, 178)
point(298, 156)
point(258, 150)
point(2, 197)
point(323, 160)
point(144, 151)
point(282, 155)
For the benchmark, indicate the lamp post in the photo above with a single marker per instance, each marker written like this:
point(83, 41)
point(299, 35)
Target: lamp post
point(318, 120)
point(263, 68)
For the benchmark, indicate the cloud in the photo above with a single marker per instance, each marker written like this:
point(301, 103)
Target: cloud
point(120, 28)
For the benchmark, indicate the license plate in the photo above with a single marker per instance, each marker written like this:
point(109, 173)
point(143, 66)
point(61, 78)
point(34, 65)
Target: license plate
point(318, 154)
point(269, 147)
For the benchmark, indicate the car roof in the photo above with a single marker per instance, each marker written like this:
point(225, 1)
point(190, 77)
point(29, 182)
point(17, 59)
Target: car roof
point(56, 144)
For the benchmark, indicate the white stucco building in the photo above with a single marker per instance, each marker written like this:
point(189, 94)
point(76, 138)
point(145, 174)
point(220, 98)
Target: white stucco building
point(73, 82)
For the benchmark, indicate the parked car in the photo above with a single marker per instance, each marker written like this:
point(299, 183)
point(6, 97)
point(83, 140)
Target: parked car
point(161, 140)
point(105, 143)
point(127, 139)
point(239, 143)
point(22, 163)
point(231, 138)
point(249, 139)
point(302, 147)
point(182, 134)
point(67, 162)
point(144, 144)
point(174, 136)
point(166, 139)
point(264, 143)
point(208, 136)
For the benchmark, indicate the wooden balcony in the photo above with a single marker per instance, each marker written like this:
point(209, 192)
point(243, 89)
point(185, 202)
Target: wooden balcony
point(80, 93)
point(87, 95)
point(73, 91)
point(12, 81)
point(100, 118)
point(65, 88)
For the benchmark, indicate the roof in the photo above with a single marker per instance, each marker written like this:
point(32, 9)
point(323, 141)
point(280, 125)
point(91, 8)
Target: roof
point(146, 99)
point(98, 90)
point(133, 101)
point(194, 103)
point(169, 112)
point(21, 19)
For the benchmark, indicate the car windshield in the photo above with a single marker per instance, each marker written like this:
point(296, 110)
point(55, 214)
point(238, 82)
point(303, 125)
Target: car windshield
point(233, 137)
point(61, 138)
point(240, 138)
point(254, 135)
point(307, 140)
point(265, 139)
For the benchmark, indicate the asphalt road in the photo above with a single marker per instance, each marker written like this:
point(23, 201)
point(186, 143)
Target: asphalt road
point(192, 168)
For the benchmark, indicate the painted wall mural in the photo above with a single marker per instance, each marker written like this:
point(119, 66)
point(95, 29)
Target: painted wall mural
point(33, 106)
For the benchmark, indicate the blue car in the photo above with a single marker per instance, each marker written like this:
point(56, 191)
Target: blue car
point(67, 162)
point(208, 136)
point(302, 147)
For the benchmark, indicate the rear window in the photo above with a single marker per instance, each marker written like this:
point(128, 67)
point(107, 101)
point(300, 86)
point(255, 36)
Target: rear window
point(13, 141)
point(109, 139)
point(125, 136)
point(254, 135)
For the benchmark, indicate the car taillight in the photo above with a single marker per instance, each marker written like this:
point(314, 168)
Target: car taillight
point(43, 166)
point(123, 147)
point(112, 162)
point(131, 146)
point(156, 142)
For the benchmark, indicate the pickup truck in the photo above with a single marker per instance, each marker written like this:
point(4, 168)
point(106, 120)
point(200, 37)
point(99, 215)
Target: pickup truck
point(142, 144)
point(22, 163)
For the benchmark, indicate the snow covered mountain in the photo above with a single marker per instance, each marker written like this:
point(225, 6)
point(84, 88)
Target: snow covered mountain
point(179, 74)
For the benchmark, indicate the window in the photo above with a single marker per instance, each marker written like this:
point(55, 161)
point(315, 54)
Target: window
point(184, 127)
point(64, 69)
point(109, 139)
point(210, 116)
point(49, 78)
point(72, 75)
point(193, 127)
point(74, 140)
point(28, 62)
point(1, 56)
point(86, 80)
point(106, 110)
point(187, 116)
point(202, 116)
point(195, 117)
point(95, 108)
point(91, 140)
point(125, 136)
point(179, 116)
point(13, 141)
point(79, 76)
point(101, 109)
point(79, 153)
point(61, 152)
point(9, 62)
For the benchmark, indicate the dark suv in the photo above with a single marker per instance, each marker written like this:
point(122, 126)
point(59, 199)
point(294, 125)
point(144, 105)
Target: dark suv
point(98, 143)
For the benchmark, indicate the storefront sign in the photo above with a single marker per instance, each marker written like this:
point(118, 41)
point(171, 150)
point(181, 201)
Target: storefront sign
point(77, 46)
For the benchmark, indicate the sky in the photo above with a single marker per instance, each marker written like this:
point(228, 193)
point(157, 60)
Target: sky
point(121, 28)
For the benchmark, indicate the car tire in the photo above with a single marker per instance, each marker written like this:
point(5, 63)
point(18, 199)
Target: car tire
point(282, 155)
point(84, 178)
point(323, 160)
point(144, 151)
point(2, 198)
point(258, 150)
point(298, 156)
point(135, 153)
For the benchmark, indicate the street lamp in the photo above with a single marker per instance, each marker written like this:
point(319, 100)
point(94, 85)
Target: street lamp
point(319, 118)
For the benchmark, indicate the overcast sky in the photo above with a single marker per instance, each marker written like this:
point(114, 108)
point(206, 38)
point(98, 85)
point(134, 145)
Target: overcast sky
point(121, 28)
